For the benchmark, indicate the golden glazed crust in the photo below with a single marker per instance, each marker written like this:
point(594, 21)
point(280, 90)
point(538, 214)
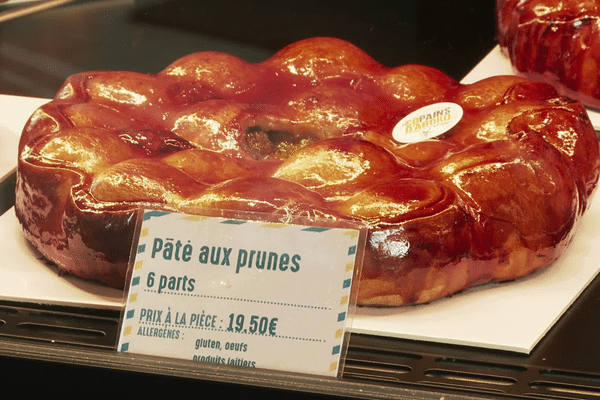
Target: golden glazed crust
point(309, 133)
point(557, 41)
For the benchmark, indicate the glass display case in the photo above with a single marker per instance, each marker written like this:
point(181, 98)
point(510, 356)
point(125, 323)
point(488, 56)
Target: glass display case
point(70, 350)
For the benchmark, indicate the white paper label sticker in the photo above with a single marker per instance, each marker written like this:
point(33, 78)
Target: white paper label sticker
point(246, 293)
point(427, 122)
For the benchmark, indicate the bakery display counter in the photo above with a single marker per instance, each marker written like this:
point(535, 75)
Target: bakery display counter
point(71, 328)
point(563, 365)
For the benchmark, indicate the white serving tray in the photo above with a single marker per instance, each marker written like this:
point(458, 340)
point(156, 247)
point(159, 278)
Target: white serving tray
point(25, 276)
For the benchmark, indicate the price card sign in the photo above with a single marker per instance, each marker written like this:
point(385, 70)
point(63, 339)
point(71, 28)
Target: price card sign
point(238, 292)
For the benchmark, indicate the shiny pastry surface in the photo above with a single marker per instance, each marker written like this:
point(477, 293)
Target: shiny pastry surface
point(310, 133)
point(557, 41)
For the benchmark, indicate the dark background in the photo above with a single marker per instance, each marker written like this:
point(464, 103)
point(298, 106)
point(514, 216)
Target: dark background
point(39, 51)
